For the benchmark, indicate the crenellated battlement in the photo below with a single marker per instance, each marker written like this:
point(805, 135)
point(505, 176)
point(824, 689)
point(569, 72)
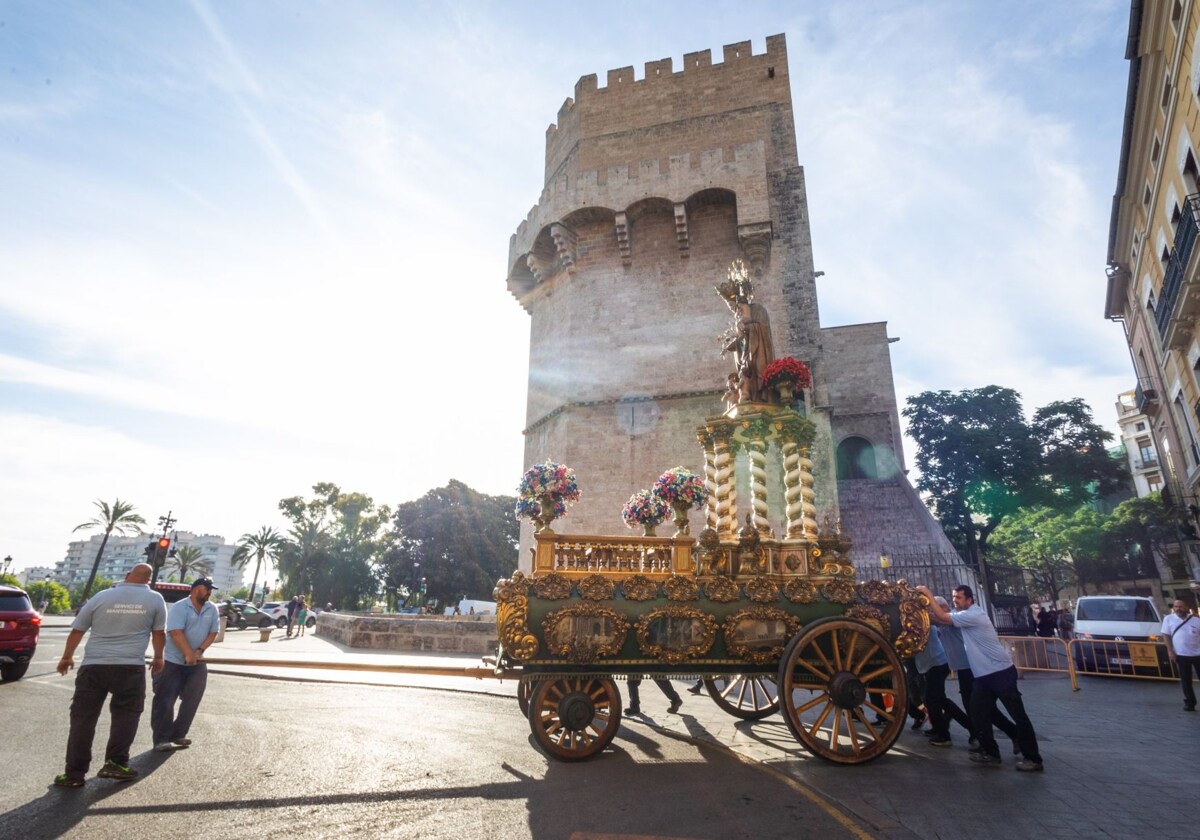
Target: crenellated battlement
point(582, 136)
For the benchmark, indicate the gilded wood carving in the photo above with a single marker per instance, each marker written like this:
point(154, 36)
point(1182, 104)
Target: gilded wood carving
point(597, 588)
point(582, 633)
point(675, 634)
point(759, 634)
point(762, 590)
point(681, 588)
point(639, 588)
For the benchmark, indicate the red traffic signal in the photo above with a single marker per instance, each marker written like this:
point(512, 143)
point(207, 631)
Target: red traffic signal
point(163, 543)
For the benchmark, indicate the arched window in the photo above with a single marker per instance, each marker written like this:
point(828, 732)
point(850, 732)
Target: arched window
point(856, 459)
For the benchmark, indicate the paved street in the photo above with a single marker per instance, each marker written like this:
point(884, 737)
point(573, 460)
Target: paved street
point(270, 746)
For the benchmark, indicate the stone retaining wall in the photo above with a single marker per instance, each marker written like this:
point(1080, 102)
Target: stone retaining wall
point(422, 633)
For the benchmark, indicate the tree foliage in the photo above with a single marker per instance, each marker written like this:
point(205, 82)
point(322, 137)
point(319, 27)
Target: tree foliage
point(116, 518)
point(264, 545)
point(336, 542)
point(80, 594)
point(187, 559)
point(463, 540)
point(1144, 528)
point(56, 596)
point(981, 461)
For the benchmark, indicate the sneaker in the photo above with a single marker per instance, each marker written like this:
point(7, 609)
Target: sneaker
point(973, 743)
point(112, 770)
point(165, 746)
point(674, 707)
point(64, 780)
point(696, 689)
point(182, 742)
point(633, 710)
point(1027, 766)
point(918, 723)
point(1189, 708)
point(984, 758)
point(939, 741)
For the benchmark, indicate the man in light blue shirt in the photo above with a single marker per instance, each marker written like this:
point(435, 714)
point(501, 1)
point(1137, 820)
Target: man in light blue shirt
point(192, 625)
point(932, 662)
point(995, 678)
point(121, 620)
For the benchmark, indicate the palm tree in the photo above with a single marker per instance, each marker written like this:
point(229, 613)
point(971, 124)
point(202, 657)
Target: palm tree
point(267, 543)
point(118, 517)
point(187, 559)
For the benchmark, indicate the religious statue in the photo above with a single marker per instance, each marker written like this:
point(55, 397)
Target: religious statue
point(750, 336)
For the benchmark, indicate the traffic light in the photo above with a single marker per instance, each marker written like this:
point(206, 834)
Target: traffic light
point(160, 549)
point(151, 548)
point(422, 586)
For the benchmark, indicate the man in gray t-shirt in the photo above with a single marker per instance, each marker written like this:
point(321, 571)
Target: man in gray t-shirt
point(122, 620)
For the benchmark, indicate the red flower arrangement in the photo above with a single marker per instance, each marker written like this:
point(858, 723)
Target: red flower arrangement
point(787, 369)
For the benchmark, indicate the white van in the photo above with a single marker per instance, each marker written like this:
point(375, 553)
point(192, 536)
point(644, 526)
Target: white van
point(1117, 619)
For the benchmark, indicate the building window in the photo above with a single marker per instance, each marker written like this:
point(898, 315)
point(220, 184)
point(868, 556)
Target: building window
point(1166, 94)
point(1155, 149)
point(1139, 427)
point(1154, 482)
point(1146, 197)
point(856, 459)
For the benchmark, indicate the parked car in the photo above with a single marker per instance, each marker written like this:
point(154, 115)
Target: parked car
point(242, 616)
point(1107, 624)
point(20, 625)
point(277, 611)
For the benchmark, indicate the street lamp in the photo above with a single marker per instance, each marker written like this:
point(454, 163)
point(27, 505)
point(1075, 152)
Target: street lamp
point(885, 562)
point(5, 563)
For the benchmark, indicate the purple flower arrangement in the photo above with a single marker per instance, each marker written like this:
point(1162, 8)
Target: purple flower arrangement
point(555, 482)
point(680, 486)
point(644, 508)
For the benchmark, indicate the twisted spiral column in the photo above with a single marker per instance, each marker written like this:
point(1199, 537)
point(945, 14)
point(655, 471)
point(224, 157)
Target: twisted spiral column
point(807, 495)
point(758, 483)
point(792, 490)
point(726, 487)
point(710, 484)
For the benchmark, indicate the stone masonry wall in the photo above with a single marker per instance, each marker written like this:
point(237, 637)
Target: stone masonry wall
point(475, 634)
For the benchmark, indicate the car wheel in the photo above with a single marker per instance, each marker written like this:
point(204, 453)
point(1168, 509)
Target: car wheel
point(281, 622)
point(264, 623)
point(241, 624)
point(312, 622)
point(13, 671)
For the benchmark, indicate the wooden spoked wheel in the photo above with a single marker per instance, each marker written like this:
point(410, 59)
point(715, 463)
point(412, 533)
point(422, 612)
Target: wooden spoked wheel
point(574, 718)
point(836, 679)
point(747, 696)
point(524, 692)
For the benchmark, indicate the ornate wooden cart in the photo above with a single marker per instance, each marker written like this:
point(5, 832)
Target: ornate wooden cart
point(769, 622)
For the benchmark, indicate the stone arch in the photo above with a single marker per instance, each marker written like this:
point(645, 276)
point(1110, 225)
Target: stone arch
point(856, 458)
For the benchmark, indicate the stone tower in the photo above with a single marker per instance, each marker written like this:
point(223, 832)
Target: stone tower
point(653, 187)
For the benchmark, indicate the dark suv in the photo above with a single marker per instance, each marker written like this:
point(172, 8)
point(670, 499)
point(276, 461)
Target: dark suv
point(19, 627)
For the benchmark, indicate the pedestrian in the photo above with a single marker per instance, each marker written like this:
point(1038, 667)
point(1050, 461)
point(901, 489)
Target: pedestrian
point(301, 616)
point(1182, 630)
point(956, 658)
point(192, 625)
point(122, 620)
point(291, 613)
point(1066, 624)
point(696, 687)
point(995, 679)
point(1046, 623)
point(635, 705)
point(932, 663)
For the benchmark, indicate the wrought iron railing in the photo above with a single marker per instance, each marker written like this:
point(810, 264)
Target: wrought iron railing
point(1185, 238)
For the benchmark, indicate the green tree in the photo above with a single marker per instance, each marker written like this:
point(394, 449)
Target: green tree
point(1033, 539)
point(264, 545)
point(1076, 464)
point(463, 540)
point(10, 580)
point(116, 518)
point(187, 559)
point(338, 539)
point(56, 596)
point(1144, 529)
point(79, 594)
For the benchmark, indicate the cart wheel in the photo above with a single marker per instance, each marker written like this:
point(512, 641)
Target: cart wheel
point(574, 718)
point(747, 696)
point(834, 679)
point(524, 692)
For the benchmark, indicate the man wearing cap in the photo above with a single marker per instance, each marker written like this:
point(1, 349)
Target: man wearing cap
point(192, 625)
point(121, 620)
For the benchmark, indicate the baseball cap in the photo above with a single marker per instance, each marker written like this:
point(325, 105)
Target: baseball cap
point(203, 582)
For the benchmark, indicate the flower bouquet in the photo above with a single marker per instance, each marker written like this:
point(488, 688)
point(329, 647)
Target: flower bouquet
point(544, 493)
point(787, 369)
point(683, 490)
point(646, 509)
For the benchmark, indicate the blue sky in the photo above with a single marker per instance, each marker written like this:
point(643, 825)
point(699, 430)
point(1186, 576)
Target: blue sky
point(252, 246)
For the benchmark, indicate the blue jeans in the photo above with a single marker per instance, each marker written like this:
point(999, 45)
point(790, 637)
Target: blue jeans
point(183, 683)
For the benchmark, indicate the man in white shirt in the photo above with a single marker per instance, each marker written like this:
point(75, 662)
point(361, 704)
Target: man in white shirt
point(1182, 630)
point(995, 678)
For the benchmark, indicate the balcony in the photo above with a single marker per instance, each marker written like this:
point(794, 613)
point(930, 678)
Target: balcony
point(1177, 308)
point(1145, 464)
point(1144, 394)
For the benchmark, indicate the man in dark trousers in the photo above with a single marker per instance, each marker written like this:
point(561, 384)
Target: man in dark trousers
point(122, 620)
point(635, 700)
point(192, 625)
point(292, 606)
point(995, 678)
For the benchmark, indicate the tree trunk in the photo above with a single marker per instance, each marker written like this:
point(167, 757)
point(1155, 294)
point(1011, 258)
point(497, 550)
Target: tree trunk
point(254, 585)
point(87, 587)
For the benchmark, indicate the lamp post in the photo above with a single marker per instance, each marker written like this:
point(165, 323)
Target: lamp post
point(416, 584)
point(5, 564)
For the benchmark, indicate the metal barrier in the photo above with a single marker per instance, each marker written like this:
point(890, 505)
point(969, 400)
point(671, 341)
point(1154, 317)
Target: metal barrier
point(1091, 657)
